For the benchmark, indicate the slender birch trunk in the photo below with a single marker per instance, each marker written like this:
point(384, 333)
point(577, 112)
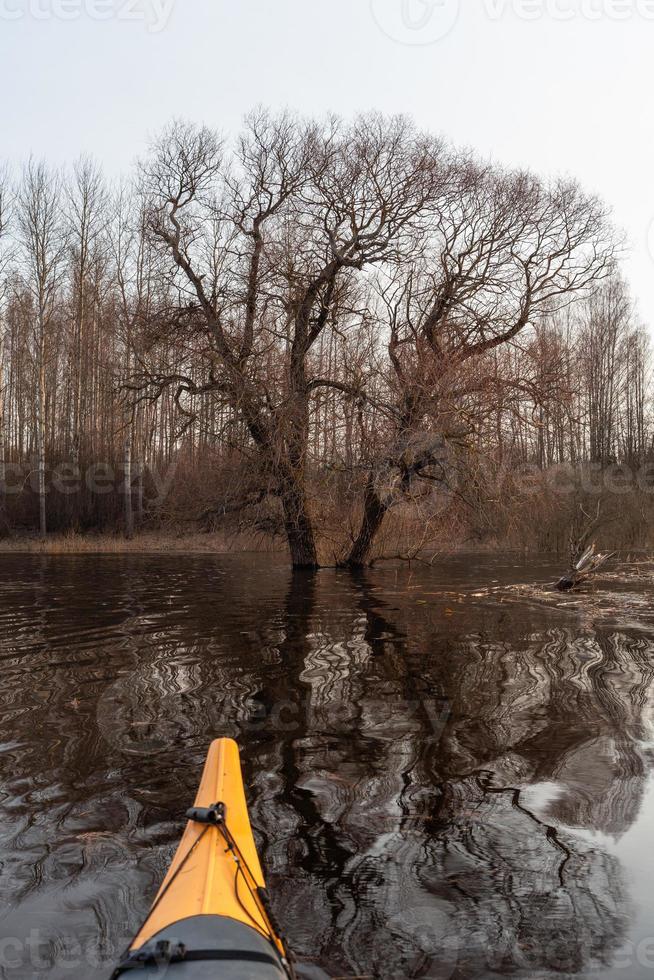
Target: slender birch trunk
point(139, 492)
point(3, 472)
point(40, 432)
point(129, 513)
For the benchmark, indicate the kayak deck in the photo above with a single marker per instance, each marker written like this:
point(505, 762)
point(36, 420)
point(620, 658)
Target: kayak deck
point(210, 917)
point(204, 878)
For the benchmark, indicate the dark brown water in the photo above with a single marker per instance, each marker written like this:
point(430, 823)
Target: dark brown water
point(449, 769)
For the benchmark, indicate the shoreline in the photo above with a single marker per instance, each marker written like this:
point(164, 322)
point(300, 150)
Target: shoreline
point(220, 543)
point(145, 542)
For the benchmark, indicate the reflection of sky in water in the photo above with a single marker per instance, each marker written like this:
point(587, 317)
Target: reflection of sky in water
point(634, 959)
point(635, 851)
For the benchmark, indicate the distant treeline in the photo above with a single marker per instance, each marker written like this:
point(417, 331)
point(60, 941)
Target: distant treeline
point(348, 334)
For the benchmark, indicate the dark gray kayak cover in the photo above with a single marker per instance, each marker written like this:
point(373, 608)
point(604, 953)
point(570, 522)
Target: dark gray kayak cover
point(210, 946)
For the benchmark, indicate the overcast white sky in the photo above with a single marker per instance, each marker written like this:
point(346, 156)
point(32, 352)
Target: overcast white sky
point(562, 86)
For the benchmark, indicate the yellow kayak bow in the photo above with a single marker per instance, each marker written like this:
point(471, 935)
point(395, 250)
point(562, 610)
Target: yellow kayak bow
point(211, 916)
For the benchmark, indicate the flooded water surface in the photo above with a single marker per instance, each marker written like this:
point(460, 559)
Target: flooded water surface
point(449, 769)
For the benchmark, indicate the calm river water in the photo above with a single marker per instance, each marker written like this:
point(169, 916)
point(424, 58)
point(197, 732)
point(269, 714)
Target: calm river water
point(449, 769)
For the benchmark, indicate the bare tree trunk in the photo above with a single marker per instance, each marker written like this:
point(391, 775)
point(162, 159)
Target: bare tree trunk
point(129, 515)
point(374, 511)
point(40, 438)
point(139, 492)
point(3, 474)
point(77, 404)
point(44, 249)
point(298, 526)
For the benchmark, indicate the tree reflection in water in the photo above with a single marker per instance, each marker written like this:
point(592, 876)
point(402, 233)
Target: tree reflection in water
point(423, 776)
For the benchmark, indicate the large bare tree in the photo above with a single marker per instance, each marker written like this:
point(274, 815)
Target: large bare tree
point(331, 331)
point(265, 244)
point(499, 255)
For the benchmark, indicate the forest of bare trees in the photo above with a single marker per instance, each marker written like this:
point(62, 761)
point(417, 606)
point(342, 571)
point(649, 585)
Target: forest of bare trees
point(323, 331)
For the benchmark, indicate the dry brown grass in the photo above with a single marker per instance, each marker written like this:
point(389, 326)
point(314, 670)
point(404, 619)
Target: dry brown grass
point(146, 542)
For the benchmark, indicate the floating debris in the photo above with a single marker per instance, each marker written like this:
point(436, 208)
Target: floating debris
point(589, 563)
